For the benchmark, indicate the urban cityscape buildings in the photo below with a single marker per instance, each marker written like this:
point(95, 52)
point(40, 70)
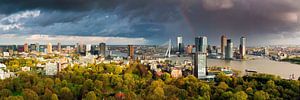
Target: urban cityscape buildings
point(200, 65)
point(242, 47)
point(131, 51)
point(180, 45)
point(201, 44)
point(229, 50)
point(223, 45)
point(49, 48)
point(102, 47)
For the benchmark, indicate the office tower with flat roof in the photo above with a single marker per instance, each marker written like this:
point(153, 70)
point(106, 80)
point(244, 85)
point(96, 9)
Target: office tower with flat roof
point(200, 65)
point(26, 49)
point(77, 48)
point(242, 47)
point(37, 47)
point(223, 45)
point(201, 44)
point(49, 48)
point(32, 47)
point(102, 48)
point(180, 45)
point(88, 48)
point(81, 48)
point(229, 50)
point(131, 51)
point(59, 47)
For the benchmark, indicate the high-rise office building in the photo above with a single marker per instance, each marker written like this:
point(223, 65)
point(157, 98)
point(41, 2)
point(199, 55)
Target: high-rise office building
point(95, 50)
point(229, 50)
point(77, 50)
point(201, 44)
point(88, 48)
point(131, 51)
point(32, 47)
point(102, 47)
point(49, 48)
point(81, 48)
point(200, 65)
point(14, 47)
point(223, 45)
point(180, 45)
point(37, 47)
point(242, 47)
point(26, 49)
point(59, 47)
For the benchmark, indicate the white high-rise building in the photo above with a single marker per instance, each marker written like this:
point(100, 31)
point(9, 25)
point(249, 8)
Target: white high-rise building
point(243, 47)
point(180, 47)
point(200, 65)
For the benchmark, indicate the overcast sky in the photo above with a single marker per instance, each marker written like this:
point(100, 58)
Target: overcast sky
point(262, 22)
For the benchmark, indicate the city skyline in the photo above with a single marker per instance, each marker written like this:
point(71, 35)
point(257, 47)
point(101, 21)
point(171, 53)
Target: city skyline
point(98, 21)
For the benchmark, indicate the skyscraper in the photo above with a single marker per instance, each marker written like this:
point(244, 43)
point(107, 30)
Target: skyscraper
point(200, 65)
point(88, 48)
point(102, 47)
point(77, 48)
point(26, 49)
point(180, 46)
point(32, 47)
point(229, 50)
point(131, 51)
point(81, 48)
point(201, 44)
point(223, 45)
point(49, 48)
point(37, 47)
point(242, 47)
point(59, 47)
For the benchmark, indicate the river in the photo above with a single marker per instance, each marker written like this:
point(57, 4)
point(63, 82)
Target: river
point(261, 65)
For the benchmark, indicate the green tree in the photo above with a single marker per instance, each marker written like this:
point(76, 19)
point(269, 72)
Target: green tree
point(223, 86)
point(5, 93)
point(91, 96)
point(241, 95)
point(49, 83)
point(66, 94)
point(29, 94)
point(14, 98)
point(118, 70)
point(88, 85)
point(54, 97)
point(261, 95)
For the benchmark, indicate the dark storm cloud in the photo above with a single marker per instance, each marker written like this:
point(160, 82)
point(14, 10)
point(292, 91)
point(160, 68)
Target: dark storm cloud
point(158, 18)
point(11, 6)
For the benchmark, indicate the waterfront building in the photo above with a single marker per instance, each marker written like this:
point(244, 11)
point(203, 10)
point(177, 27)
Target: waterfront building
point(102, 47)
point(201, 44)
point(242, 47)
point(200, 65)
point(131, 51)
point(180, 45)
point(229, 50)
point(223, 45)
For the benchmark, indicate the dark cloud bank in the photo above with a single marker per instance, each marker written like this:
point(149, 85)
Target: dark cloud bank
point(158, 19)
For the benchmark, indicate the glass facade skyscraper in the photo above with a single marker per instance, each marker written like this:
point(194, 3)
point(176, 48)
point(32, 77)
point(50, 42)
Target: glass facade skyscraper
point(201, 44)
point(229, 50)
